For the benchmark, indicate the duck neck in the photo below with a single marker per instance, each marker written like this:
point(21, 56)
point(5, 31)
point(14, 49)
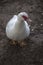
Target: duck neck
point(20, 19)
point(19, 23)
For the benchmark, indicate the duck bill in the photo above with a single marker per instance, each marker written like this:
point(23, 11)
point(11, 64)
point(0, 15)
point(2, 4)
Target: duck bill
point(30, 20)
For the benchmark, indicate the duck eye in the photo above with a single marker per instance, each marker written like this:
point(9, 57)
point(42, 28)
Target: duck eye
point(25, 17)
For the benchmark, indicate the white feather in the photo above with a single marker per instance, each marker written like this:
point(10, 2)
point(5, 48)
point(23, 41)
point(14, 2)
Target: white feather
point(16, 29)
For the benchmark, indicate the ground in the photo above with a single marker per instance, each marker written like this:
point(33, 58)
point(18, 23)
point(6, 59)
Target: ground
point(32, 53)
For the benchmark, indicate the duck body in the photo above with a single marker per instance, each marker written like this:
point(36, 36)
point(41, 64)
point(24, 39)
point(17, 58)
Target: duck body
point(17, 29)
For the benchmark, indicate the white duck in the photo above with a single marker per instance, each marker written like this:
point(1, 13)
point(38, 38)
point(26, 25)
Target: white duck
point(17, 28)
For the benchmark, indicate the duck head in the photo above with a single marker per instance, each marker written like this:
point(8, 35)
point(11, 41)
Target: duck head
point(23, 16)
